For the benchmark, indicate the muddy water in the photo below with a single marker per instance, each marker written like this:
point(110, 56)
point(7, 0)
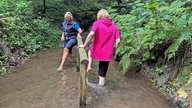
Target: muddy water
point(36, 84)
point(129, 91)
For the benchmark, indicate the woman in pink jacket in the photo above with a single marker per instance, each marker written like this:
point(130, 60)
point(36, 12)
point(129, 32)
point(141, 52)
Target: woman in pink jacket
point(105, 42)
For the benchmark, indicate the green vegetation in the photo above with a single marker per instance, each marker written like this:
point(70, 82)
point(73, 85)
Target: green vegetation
point(153, 30)
point(84, 11)
point(155, 33)
point(20, 30)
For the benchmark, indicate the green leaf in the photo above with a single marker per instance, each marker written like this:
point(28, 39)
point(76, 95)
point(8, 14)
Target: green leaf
point(190, 80)
point(182, 93)
point(125, 63)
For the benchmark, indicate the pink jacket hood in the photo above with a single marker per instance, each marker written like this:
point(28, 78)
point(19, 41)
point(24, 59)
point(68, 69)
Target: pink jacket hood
point(106, 21)
point(106, 33)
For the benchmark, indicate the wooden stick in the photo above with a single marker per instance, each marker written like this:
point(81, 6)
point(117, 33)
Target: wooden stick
point(83, 65)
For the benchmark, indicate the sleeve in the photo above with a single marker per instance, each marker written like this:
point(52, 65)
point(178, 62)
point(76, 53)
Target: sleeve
point(76, 26)
point(94, 27)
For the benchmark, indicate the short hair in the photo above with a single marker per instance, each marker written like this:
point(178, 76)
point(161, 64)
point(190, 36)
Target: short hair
point(102, 14)
point(68, 14)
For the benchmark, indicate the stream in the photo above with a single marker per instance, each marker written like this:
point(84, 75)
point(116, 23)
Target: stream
point(37, 84)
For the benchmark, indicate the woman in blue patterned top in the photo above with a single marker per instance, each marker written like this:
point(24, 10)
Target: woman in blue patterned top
point(71, 31)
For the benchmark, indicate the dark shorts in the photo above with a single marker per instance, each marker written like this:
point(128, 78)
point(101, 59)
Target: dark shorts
point(103, 67)
point(69, 44)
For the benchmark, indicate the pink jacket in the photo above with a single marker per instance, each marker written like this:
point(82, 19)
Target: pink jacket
point(105, 34)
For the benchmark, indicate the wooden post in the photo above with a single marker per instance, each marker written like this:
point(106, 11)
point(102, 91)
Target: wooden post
point(77, 62)
point(83, 66)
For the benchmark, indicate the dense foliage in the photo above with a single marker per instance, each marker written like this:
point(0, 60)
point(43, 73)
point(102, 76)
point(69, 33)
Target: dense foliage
point(154, 33)
point(154, 30)
point(22, 32)
point(84, 11)
point(157, 41)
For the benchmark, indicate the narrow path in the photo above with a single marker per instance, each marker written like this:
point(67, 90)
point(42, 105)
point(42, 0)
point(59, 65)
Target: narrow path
point(36, 84)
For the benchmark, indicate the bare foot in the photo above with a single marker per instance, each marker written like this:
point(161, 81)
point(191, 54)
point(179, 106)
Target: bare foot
point(101, 81)
point(59, 69)
point(88, 70)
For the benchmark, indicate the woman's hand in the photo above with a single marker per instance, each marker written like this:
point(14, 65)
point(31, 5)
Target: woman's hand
point(81, 46)
point(79, 35)
point(62, 38)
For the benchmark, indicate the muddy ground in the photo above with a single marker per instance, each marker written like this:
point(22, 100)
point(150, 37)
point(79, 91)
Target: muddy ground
point(36, 84)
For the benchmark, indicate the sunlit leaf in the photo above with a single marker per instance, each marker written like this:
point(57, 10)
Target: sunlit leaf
point(182, 93)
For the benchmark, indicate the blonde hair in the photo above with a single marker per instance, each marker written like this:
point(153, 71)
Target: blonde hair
point(68, 14)
point(102, 14)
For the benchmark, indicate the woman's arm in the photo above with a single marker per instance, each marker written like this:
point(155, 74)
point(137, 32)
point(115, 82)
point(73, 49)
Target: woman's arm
point(117, 41)
point(89, 37)
point(62, 37)
point(79, 33)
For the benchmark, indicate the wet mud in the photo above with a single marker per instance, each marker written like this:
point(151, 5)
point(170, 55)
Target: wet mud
point(37, 84)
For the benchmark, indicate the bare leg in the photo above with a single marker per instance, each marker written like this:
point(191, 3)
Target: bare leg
point(69, 57)
point(89, 64)
point(101, 81)
point(65, 54)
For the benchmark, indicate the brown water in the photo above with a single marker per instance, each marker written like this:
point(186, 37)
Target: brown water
point(36, 84)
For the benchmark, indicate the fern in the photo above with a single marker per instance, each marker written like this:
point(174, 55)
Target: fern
point(150, 25)
point(125, 62)
point(170, 52)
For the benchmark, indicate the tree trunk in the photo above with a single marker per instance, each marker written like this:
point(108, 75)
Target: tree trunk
point(43, 11)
